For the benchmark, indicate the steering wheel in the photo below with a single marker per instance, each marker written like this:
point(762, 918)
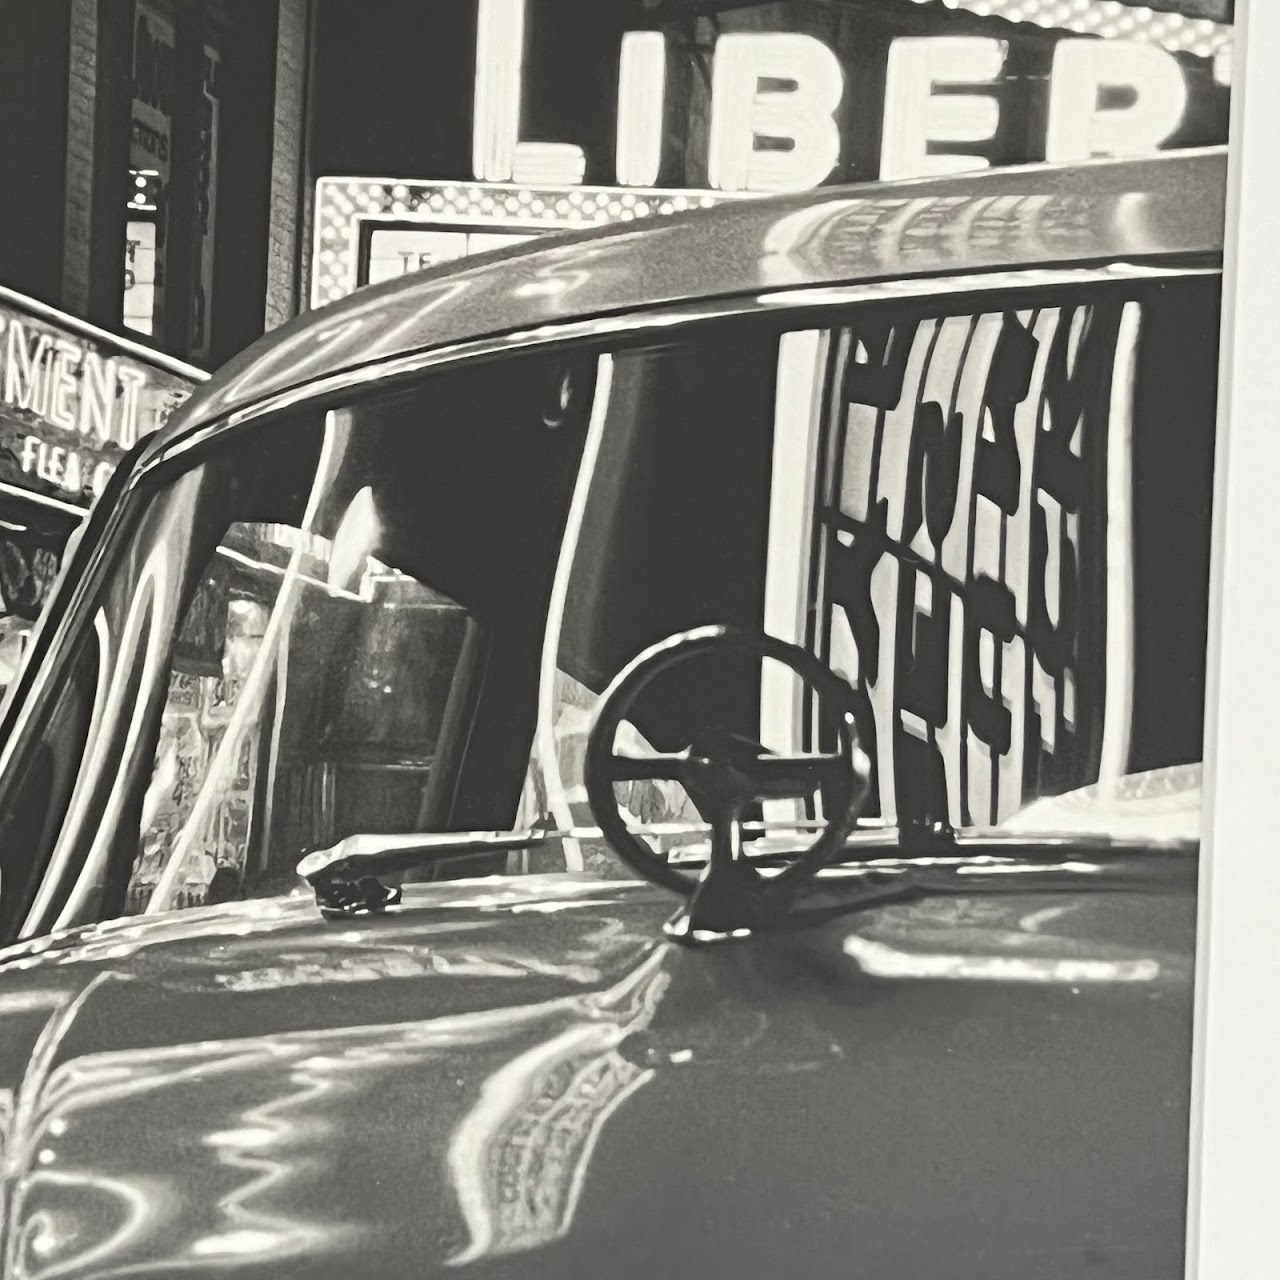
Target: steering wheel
point(723, 773)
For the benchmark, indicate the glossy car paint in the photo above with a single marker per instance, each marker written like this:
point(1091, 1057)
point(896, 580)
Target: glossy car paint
point(522, 1078)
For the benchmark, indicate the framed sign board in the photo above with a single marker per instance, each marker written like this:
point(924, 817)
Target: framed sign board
point(372, 229)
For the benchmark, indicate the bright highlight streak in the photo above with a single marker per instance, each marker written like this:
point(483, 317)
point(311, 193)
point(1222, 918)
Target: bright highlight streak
point(642, 87)
point(1149, 81)
point(881, 961)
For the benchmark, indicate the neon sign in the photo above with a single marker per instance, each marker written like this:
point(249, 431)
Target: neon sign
point(786, 111)
point(72, 405)
point(779, 100)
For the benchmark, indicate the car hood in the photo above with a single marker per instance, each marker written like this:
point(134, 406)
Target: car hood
point(524, 1078)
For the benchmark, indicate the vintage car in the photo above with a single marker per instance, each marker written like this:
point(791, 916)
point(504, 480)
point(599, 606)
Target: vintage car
point(668, 751)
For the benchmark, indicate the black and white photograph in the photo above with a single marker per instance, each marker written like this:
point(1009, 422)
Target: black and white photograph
point(606, 612)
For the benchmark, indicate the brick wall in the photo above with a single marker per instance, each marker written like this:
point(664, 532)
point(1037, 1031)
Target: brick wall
point(287, 162)
point(82, 97)
point(95, 153)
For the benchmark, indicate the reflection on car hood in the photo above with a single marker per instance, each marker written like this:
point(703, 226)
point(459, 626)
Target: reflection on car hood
point(1163, 804)
point(523, 1078)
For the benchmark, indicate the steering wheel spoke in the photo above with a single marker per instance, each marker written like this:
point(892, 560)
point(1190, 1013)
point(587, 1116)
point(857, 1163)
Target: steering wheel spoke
point(669, 766)
point(795, 777)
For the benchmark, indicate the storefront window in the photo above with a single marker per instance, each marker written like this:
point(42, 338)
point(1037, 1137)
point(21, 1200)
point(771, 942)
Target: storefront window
point(150, 165)
point(173, 175)
point(141, 241)
point(72, 402)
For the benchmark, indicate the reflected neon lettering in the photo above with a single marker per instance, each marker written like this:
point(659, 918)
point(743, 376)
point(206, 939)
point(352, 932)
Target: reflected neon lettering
point(954, 596)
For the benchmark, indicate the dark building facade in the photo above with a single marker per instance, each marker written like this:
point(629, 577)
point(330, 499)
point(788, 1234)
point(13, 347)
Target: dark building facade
point(151, 163)
point(505, 117)
point(154, 152)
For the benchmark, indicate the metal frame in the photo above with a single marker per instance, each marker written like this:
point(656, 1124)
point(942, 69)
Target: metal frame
point(1112, 19)
point(344, 208)
point(667, 317)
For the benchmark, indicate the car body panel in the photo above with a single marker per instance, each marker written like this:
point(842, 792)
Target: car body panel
point(1161, 207)
point(523, 1078)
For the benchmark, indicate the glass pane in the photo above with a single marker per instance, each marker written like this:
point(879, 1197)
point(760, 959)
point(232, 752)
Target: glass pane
point(342, 741)
point(398, 616)
point(364, 601)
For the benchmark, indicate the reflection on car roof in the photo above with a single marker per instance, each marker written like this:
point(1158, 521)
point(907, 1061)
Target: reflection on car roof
point(996, 220)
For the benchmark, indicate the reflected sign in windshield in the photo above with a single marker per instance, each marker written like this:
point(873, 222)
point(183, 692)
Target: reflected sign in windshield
point(966, 557)
point(975, 549)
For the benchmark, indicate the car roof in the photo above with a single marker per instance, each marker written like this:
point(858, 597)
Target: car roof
point(1164, 206)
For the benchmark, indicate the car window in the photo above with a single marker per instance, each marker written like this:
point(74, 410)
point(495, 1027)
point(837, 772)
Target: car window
point(334, 622)
point(396, 614)
point(335, 629)
point(287, 619)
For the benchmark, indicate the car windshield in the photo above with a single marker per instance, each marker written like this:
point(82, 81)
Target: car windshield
point(395, 615)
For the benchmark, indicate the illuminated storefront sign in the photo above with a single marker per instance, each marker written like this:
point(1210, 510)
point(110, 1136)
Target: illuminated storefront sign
point(788, 108)
point(72, 401)
point(786, 96)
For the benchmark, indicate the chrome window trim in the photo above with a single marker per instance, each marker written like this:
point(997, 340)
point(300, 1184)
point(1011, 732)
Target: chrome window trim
point(664, 317)
point(633, 324)
point(43, 500)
